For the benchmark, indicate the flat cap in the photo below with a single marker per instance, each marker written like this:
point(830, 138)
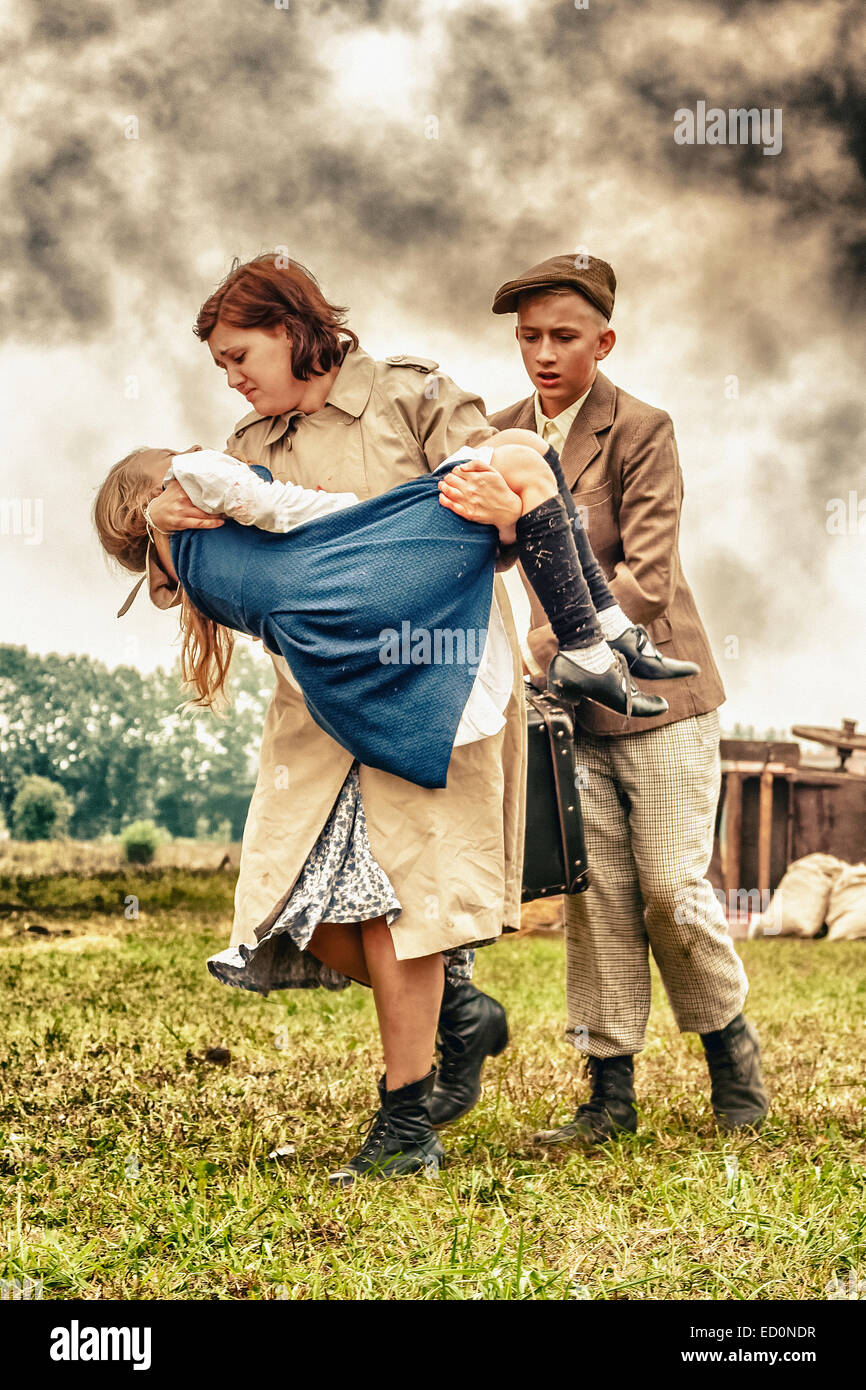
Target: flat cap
point(590, 277)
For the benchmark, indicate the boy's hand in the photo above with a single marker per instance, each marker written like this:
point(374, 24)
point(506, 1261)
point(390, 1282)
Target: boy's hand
point(476, 491)
point(172, 510)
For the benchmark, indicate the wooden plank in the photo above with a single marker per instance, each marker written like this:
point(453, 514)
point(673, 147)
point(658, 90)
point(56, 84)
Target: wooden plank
point(765, 830)
point(733, 833)
point(760, 751)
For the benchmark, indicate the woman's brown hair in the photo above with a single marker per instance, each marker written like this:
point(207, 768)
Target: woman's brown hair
point(271, 290)
point(118, 515)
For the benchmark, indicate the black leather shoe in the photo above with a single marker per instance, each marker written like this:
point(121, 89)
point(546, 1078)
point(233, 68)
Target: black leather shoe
point(649, 665)
point(737, 1085)
point(400, 1139)
point(614, 688)
point(472, 1027)
point(610, 1110)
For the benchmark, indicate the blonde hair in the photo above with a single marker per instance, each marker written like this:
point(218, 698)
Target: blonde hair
point(118, 516)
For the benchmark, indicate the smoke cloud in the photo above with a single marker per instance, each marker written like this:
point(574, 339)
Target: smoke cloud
point(414, 156)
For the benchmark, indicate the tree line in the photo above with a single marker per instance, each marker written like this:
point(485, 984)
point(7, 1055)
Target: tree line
point(118, 744)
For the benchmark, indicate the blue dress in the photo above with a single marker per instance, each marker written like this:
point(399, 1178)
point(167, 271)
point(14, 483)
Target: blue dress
point(380, 610)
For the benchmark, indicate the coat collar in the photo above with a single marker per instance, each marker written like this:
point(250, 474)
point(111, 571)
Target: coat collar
point(353, 383)
point(595, 415)
point(350, 391)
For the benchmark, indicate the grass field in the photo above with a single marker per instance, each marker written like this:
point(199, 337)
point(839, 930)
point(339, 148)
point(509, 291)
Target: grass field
point(134, 1168)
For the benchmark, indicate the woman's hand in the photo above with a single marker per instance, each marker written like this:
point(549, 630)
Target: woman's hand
point(476, 491)
point(171, 510)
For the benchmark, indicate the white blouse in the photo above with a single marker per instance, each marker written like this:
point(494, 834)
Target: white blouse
point(221, 485)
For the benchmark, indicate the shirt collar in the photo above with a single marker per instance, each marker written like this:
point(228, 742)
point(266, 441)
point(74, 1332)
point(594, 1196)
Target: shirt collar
point(564, 420)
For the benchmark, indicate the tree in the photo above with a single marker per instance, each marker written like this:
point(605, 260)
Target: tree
point(140, 841)
point(41, 810)
point(120, 745)
point(69, 719)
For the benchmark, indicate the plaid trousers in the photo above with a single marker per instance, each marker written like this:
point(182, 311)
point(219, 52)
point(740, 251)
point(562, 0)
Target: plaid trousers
point(649, 804)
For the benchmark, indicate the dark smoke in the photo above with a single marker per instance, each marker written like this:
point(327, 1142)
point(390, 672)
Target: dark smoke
point(554, 128)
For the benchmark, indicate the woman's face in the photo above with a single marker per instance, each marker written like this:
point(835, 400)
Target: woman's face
point(258, 363)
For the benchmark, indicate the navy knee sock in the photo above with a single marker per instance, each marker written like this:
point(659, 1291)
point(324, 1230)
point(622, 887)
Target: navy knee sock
point(552, 565)
point(592, 571)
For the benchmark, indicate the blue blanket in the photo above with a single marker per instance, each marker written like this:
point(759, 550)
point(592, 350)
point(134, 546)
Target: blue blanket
point(380, 610)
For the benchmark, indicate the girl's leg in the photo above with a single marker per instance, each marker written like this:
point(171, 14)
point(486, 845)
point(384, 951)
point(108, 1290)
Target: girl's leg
point(549, 554)
point(614, 622)
point(616, 626)
point(585, 667)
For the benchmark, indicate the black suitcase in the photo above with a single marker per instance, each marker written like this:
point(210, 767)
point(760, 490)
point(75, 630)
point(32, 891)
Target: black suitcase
point(554, 859)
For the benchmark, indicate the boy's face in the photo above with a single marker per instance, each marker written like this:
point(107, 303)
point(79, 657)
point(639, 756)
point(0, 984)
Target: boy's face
point(562, 338)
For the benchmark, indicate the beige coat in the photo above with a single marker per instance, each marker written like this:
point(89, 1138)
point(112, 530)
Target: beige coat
point(453, 854)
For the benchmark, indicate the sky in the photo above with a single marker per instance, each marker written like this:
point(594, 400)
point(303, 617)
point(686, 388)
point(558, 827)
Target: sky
point(415, 156)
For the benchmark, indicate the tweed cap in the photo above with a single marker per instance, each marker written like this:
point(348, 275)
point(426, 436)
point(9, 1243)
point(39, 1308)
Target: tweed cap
point(590, 277)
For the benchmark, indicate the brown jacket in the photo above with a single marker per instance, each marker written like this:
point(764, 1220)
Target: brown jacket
point(453, 854)
point(620, 461)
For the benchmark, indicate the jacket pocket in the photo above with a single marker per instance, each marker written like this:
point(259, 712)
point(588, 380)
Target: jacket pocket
point(595, 509)
point(594, 497)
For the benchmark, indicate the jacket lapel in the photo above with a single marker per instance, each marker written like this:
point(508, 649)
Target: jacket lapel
point(525, 419)
point(594, 416)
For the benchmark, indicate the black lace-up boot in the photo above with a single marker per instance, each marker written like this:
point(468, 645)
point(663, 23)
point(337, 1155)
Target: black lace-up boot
point(737, 1085)
point(400, 1139)
point(472, 1027)
point(610, 1110)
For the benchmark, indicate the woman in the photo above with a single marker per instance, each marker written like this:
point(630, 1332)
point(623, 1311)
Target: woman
point(326, 414)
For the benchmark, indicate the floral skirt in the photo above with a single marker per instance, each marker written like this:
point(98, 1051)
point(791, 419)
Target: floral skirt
point(340, 882)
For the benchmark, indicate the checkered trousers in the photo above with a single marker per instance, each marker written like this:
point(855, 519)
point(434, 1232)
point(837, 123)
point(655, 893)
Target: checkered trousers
point(649, 804)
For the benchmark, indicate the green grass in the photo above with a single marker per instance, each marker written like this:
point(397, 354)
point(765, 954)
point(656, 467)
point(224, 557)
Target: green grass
point(131, 1170)
point(110, 891)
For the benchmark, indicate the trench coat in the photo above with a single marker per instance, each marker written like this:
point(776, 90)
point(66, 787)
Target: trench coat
point(621, 463)
point(454, 854)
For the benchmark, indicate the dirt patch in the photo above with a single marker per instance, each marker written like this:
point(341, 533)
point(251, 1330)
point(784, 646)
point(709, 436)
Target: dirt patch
point(543, 917)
